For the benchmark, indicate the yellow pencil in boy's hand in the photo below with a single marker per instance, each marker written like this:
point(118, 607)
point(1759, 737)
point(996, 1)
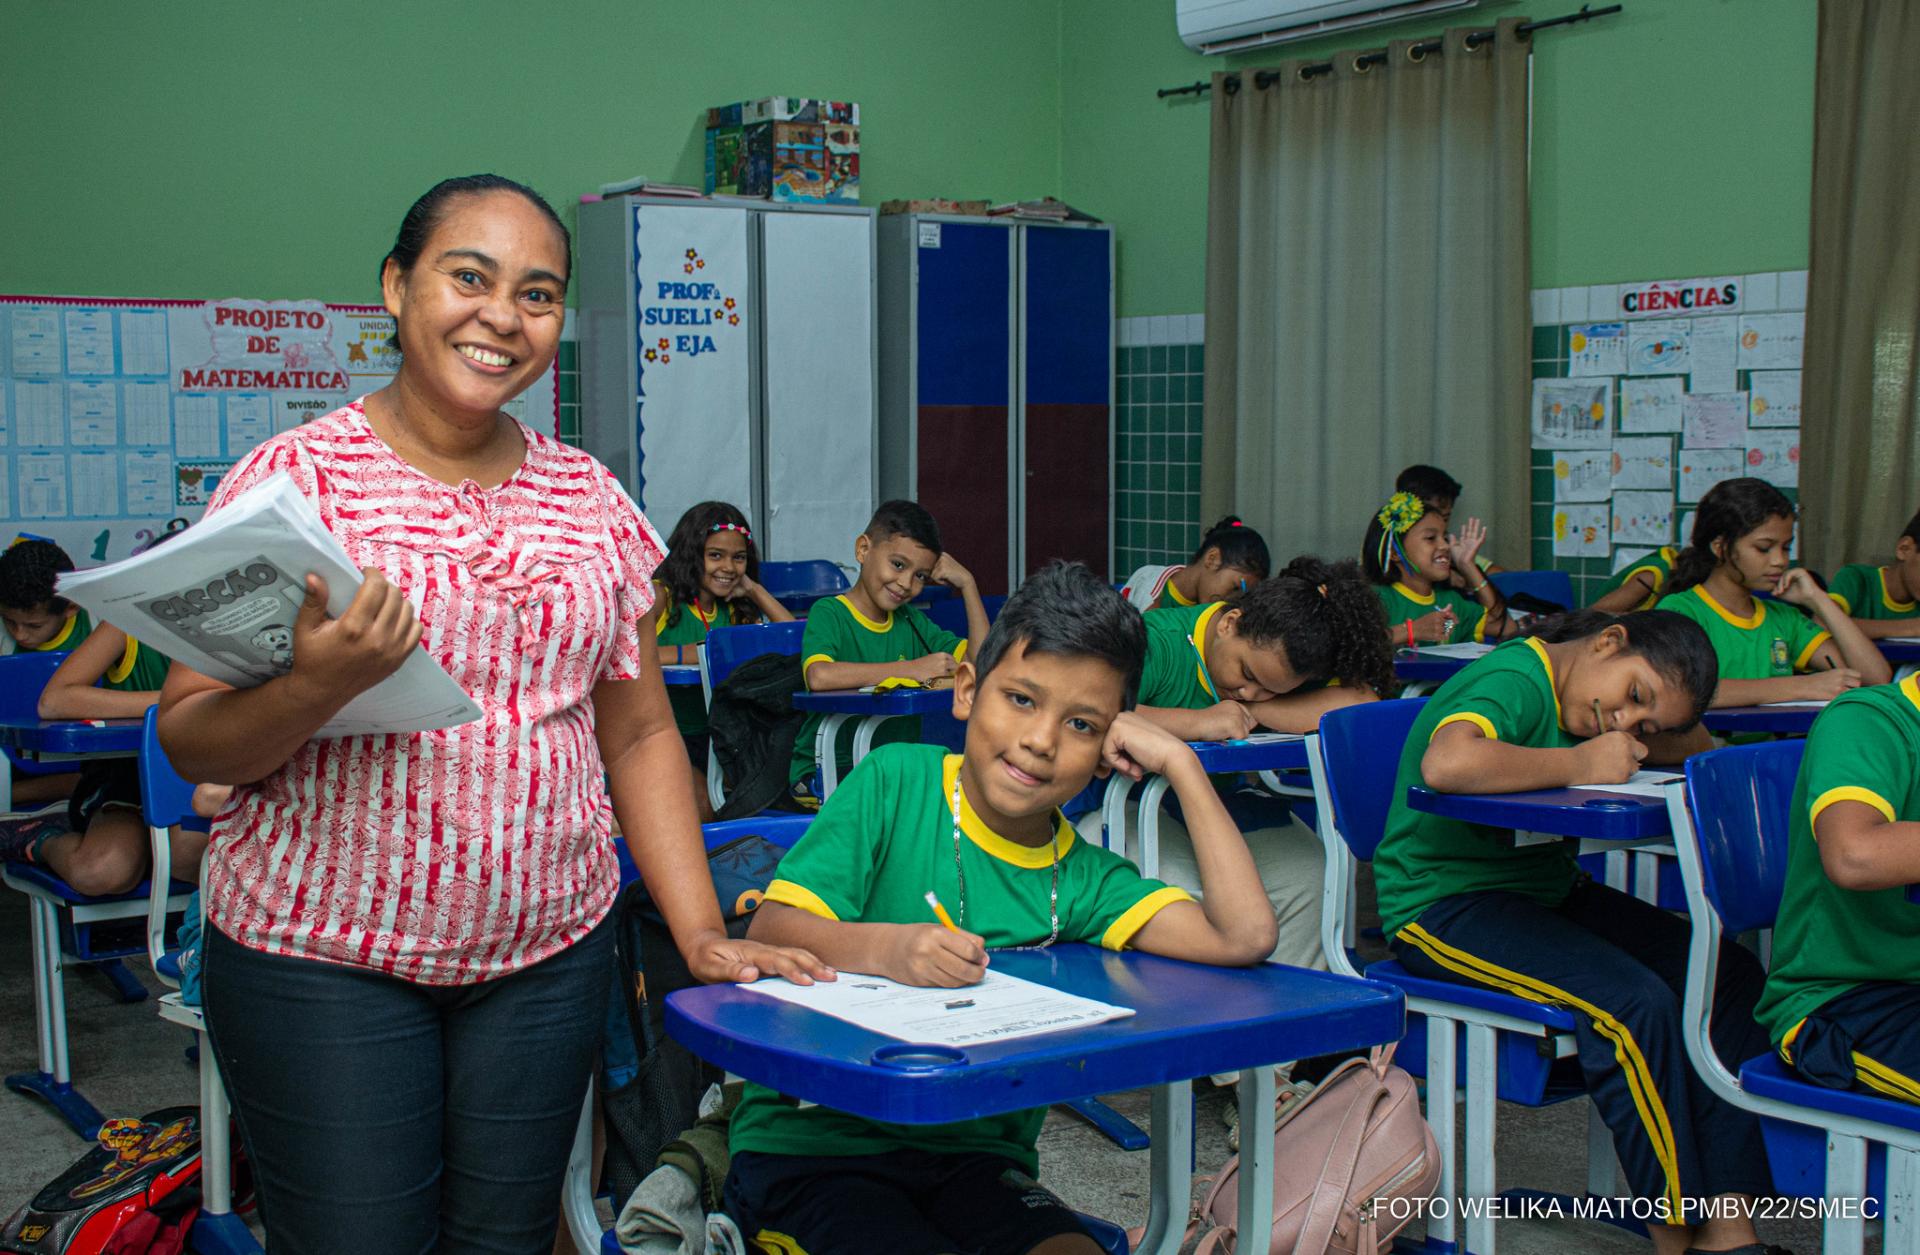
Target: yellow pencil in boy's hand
point(941, 911)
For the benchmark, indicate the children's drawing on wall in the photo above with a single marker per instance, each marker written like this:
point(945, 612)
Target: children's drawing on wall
point(1597, 349)
point(1714, 420)
point(1570, 414)
point(1659, 347)
point(1583, 475)
point(1643, 518)
point(1580, 531)
point(1774, 455)
point(1642, 462)
point(1701, 469)
point(1771, 341)
point(1650, 404)
point(1773, 398)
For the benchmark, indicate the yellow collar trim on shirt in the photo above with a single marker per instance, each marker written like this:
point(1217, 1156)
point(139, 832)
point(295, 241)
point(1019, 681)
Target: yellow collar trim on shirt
point(1173, 590)
point(882, 626)
point(66, 630)
point(1886, 598)
point(992, 842)
point(1745, 625)
point(1547, 664)
point(118, 673)
point(1424, 599)
point(1910, 687)
point(1200, 645)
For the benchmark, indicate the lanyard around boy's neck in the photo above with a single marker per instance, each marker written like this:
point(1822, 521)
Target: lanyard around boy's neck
point(1200, 661)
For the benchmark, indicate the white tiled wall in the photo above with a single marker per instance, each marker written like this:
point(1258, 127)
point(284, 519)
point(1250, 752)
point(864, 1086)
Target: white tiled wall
point(1163, 329)
point(1769, 292)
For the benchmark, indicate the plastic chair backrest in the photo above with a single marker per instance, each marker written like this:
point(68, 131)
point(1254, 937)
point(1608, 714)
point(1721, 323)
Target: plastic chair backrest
point(1740, 800)
point(728, 647)
point(165, 798)
point(22, 676)
point(814, 577)
point(952, 613)
point(779, 829)
point(1361, 746)
point(1553, 586)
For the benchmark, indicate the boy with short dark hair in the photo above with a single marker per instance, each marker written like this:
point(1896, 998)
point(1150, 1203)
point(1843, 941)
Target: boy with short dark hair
point(871, 633)
point(1043, 701)
point(36, 616)
point(1883, 600)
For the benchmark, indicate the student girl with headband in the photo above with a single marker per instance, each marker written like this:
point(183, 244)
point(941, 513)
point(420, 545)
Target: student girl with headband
point(1231, 558)
point(1427, 581)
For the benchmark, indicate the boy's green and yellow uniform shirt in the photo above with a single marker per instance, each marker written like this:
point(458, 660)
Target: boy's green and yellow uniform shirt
point(1175, 676)
point(836, 632)
point(1865, 747)
point(1509, 696)
point(1170, 598)
point(1402, 603)
point(77, 628)
point(689, 703)
point(1861, 590)
point(1776, 640)
point(880, 843)
point(1657, 566)
point(140, 669)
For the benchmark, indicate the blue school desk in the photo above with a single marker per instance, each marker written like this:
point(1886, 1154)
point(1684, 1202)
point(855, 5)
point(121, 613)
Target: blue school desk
point(52, 742)
point(1429, 671)
point(1217, 758)
point(872, 710)
point(1900, 653)
point(677, 676)
point(1787, 720)
point(1190, 1020)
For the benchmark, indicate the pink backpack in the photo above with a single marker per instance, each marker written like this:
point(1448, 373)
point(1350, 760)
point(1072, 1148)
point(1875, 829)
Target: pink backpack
point(1356, 1142)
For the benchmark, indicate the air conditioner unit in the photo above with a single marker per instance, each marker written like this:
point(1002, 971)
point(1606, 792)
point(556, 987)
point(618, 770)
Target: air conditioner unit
point(1214, 26)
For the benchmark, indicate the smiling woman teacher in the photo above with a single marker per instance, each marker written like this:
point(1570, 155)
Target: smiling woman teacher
point(406, 971)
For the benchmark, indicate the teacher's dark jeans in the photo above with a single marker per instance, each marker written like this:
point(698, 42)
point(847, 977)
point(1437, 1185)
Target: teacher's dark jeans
point(388, 1118)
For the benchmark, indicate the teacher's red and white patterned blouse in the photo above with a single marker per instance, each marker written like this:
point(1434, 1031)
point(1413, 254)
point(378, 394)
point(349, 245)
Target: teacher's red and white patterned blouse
point(461, 855)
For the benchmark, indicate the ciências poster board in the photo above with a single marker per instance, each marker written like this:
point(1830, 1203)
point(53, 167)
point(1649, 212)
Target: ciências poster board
point(118, 416)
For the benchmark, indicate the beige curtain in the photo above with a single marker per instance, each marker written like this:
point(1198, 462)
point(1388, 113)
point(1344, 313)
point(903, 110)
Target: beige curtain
point(1860, 453)
point(1367, 297)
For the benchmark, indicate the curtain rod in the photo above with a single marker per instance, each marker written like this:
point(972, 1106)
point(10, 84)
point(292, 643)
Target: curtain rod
point(1264, 78)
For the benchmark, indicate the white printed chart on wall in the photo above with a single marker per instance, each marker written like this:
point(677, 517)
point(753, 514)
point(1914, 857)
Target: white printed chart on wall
point(118, 417)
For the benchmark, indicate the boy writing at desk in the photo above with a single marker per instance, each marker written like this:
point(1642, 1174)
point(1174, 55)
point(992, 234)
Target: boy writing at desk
point(1043, 701)
point(871, 633)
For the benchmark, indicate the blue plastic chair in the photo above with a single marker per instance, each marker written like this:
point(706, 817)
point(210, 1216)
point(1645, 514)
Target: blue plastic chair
point(951, 614)
point(1553, 586)
point(22, 676)
point(166, 802)
point(721, 654)
point(61, 922)
point(1512, 1044)
point(797, 585)
point(1730, 830)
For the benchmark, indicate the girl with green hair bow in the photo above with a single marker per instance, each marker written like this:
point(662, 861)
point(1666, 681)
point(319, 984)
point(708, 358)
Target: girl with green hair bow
point(1427, 581)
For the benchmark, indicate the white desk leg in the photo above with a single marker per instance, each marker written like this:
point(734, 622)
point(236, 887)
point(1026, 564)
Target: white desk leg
point(1443, 1114)
point(1616, 873)
point(1846, 1178)
point(1113, 813)
point(1902, 1203)
point(1599, 1155)
point(1170, 1159)
point(1150, 799)
point(1646, 875)
point(6, 784)
point(1256, 1151)
point(1483, 1082)
point(863, 734)
point(216, 1160)
point(577, 1198)
point(46, 977)
point(824, 741)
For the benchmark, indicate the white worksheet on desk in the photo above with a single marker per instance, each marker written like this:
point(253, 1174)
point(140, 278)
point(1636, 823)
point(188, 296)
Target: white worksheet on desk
point(1793, 705)
point(1463, 649)
point(999, 1008)
point(1641, 784)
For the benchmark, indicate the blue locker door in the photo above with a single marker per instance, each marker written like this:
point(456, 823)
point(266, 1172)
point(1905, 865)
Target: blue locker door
point(964, 308)
point(1067, 325)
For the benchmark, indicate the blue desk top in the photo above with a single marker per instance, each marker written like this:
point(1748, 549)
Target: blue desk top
point(1899, 653)
point(115, 737)
point(1585, 813)
point(1221, 757)
point(1793, 720)
point(898, 702)
point(677, 676)
point(1190, 1021)
point(1411, 667)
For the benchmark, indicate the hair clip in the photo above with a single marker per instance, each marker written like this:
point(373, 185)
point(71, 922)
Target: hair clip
point(742, 528)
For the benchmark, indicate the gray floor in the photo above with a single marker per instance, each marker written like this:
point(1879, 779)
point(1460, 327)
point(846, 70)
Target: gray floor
point(128, 1063)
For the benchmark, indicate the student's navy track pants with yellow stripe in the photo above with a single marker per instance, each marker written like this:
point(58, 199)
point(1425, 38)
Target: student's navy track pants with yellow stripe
point(1619, 964)
point(1866, 1039)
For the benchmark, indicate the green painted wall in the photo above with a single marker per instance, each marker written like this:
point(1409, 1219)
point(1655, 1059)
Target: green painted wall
point(1673, 138)
point(220, 148)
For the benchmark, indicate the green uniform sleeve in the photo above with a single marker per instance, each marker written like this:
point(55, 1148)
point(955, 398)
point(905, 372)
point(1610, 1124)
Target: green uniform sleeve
point(1469, 617)
point(1168, 657)
point(1851, 590)
point(1802, 634)
point(1857, 754)
point(825, 637)
point(1505, 704)
point(938, 639)
point(830, 871)
point(1111, 900)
